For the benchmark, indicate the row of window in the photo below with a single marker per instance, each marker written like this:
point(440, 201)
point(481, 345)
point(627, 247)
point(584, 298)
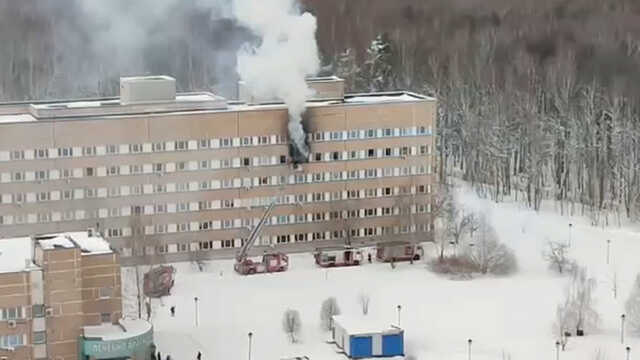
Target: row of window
point(238, 223)
point(201, 144)
point(12, 341)
point(162, 168)
point(230, 183)
point(162, 208)
point(282, 239)
point(12, 313)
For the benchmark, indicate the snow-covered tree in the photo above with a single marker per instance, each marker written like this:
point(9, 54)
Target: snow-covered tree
point(327, 311)
point(557, 255)
point(632, 307)
point(488, 254)
point(291, 324)
point(376, 73)
point(577, 310)
point(346, 67)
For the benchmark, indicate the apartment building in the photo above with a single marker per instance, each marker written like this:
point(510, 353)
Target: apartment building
point(189, 174)
point(60, 299)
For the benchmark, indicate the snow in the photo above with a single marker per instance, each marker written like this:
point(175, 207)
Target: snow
point(381, 98)
point(14, 254)
point(361, 325)
point(16, 118)
point(508, 317)
point(127, 328)
point(59, 241)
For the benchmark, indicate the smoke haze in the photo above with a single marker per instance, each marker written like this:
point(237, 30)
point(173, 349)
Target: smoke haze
point(285, 56)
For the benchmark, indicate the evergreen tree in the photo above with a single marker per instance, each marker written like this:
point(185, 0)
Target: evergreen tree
point(377, 71)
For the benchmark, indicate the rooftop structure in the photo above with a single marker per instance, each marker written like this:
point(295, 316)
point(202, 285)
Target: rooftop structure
point(15, 254)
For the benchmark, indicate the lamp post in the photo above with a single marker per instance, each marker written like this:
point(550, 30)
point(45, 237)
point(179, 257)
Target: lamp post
point(557, 350)
point(469, 347)
point(399, 307)
point(608, 244)
point(570, 226)
point(628, 352)
point(195, 300)
point(250, 336)
point(622, 317)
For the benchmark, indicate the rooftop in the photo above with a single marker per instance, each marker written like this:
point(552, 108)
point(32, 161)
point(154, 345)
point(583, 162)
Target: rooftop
point(90, 243)
point(125, 329)
point(361, 325)
point(15, 255)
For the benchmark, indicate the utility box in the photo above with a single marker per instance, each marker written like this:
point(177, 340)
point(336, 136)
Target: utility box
point(359, 337)
point(147, 89)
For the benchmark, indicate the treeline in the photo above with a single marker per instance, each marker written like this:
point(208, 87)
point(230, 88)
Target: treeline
point(537, 98)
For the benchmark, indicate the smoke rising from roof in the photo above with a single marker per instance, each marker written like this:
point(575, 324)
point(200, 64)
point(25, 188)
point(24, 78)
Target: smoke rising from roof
point(285, 56)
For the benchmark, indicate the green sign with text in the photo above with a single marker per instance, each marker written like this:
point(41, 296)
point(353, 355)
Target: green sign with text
point(117, 348)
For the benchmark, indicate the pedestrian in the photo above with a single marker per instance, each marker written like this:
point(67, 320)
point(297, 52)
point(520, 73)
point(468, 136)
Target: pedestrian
point(168, 357)
point(173, 311)
point(148, 306)
point(369, 257)
point(199, 356)
point(159, 357)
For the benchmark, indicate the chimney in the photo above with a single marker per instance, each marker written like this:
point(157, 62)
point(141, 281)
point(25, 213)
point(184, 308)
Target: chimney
point(147, 89)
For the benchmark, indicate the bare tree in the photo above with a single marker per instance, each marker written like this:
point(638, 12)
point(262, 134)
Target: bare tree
point(557, 256)
point(291, 324)
point(327, 311)
point(577, 310)
point(364, 300)
point(456, 224)
point(632, 306)
point(488, 255)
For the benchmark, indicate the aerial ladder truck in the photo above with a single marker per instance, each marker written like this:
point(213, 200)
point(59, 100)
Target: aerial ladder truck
point(271, 261)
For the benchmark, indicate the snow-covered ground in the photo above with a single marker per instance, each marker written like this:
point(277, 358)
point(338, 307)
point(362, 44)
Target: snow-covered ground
point(507, 318)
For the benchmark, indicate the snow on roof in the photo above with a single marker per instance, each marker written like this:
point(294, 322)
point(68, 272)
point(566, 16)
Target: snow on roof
point(15, 255)
point(127, 328)
point(360, 325)
point(60, 241)
point(378, 98)
point(16, 118)
point(89, 245)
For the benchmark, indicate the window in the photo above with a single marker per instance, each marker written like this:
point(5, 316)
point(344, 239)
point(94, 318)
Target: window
point(369, 212)
point(113, 170)
point(136, 189)
point(11, 341)
point(319, 136)
point(204, 164)
point(371, 153)
point(135, 148)
point(318, 236)
point(387, 191)
point(12, 313)
point(204, 144)
point(370, 133)
point(353, 134)
point(65, 152)
point(404, 151)
point(283, 159)
point(370, 173)
point(300, 237)
point(105, 317)
point(181, 187)
point(90, 193)
point(318, 177)
point(68, 215)
point(112, 149)
point(157, 147)
point(337, 175)
point(43, 196)
point(38, 311)
point(353, 154)
point(89, 151)
point(336, 155)
point(17, 176)
point(183, 227)
point(246, 161)
point(105, 292)
point(158, 167)
point(226, 243)
point(39, 337)
point(114, 233)
point(181, 145)
point(182, 207)
point(336, 135)
point(114, 212)
point(44, 217)
point(226, 142)
point(89, 171)
point(387, 132)
point(42, 175)
point(19, 198)
point(41, 153)
point(352, 194)
point(181, 166)
point(317, 156)
point(246, 141)
point(301, 179)
point(159, 188)
point(263, 140)
point(388, 152)
point(318, 216)
point(225, 163)
point(160, 208)
point(206, 245)
point(17, 155)
point(370, 193)
point(280, 239)
point(227, 223)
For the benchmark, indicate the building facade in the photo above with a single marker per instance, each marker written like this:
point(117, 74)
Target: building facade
point(188, 177)
point(56, 289)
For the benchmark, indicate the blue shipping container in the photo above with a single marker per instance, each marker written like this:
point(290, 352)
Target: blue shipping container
point(358, 338)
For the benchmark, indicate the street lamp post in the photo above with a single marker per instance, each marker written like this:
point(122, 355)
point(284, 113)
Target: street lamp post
point(250, 336)
point(469, 347)
point(399, 307)
point(622, 317)
point(195, 300)
point(628, 352)
point(557, 350)
point(608, 245)
point(570, 226)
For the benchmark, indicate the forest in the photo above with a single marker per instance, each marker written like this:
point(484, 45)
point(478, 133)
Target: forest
point(538, 99)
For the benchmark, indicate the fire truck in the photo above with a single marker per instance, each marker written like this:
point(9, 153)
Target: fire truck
point(270, 262)
point(338, 256)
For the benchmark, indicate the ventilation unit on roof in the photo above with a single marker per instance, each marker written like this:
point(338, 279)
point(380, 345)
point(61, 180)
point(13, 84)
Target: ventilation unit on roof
point(147, 89)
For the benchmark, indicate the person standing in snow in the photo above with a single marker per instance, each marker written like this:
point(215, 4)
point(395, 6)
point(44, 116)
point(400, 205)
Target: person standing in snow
point(173, 311)
point(199, 356)
point(168, 357)
point(148, 306)
point(369, 257)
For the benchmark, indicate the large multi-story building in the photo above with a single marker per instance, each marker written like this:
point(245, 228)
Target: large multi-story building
point(188, 174)
point(60, 299)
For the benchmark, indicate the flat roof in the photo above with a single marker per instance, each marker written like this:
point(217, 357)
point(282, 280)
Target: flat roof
point(185, 103)
point(15, 255)
point(362, 325)
point(125, 329)
point(93, 244)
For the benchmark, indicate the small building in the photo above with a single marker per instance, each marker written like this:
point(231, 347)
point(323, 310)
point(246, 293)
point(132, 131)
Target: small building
point(398, 251)
point(361, 337)
point(129, 338)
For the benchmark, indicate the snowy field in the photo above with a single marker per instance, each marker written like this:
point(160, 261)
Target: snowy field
point(507, 318)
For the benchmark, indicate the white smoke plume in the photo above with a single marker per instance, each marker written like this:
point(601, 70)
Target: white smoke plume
point(286, 55)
